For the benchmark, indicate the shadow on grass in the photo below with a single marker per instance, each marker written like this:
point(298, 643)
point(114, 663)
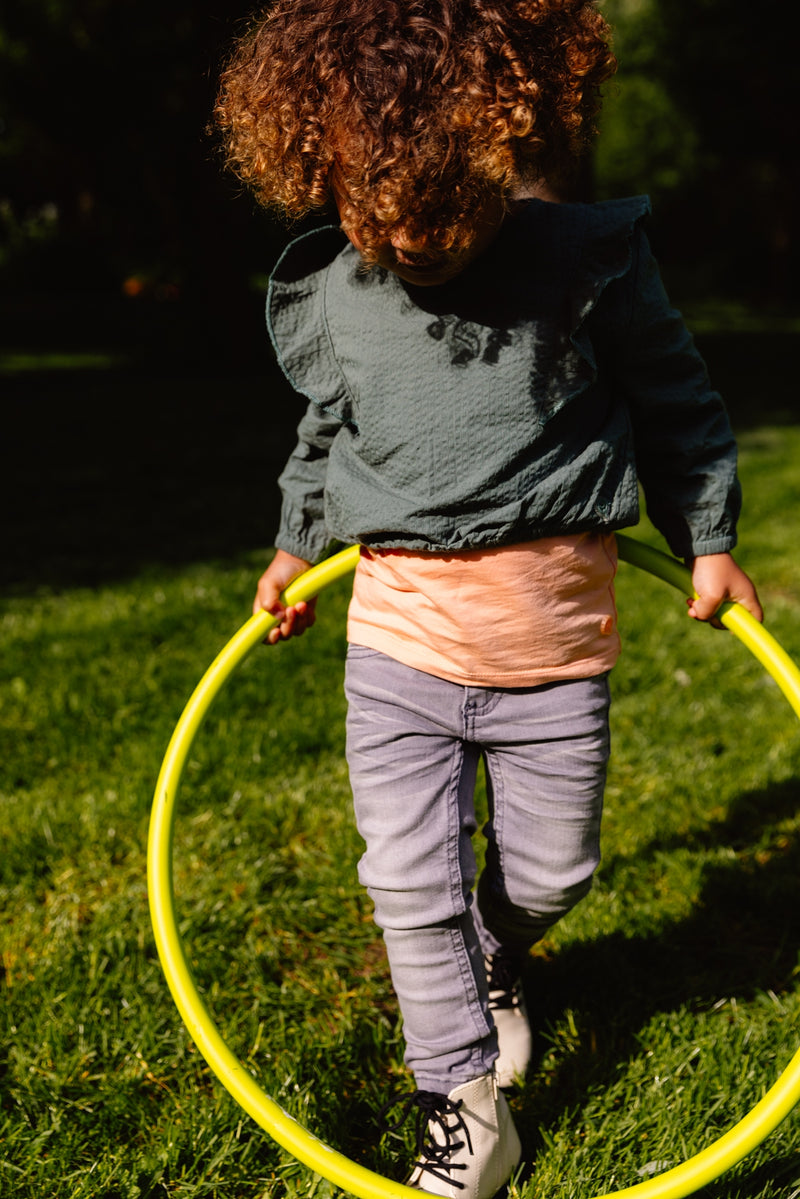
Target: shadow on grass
point(784, 1170)
point(106, 472)
point(741, 939)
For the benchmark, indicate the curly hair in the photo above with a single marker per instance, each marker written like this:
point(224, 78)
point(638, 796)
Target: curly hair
point(424, 107)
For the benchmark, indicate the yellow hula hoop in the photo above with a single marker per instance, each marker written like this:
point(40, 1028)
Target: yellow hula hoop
point(682, 1180)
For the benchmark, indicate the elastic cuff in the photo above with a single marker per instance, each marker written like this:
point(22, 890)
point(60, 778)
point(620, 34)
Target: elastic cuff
point(310, 550)
point(711, 545)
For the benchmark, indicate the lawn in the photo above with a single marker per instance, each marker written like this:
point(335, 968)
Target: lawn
point(664, 1006)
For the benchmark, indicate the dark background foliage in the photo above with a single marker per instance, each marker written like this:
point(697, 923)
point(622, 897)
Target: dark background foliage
point(711, 84)
point(110, 187)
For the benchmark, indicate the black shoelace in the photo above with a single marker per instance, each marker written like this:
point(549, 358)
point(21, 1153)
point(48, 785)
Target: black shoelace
point(432, 1108)
point(503, 974)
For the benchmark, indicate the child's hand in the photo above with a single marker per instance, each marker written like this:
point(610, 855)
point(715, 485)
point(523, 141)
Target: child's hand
point(276, 578)
point(716, 578)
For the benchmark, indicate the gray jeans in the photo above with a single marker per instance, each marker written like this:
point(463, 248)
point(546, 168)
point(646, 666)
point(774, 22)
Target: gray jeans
point(414, 742)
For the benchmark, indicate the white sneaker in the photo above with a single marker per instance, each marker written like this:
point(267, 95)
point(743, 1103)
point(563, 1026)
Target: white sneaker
point(507, 1005)
point(471, 1147)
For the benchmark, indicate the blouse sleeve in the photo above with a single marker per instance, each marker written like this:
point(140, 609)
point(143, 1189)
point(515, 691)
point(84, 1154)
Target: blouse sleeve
point(302, 529)
point(685, 448)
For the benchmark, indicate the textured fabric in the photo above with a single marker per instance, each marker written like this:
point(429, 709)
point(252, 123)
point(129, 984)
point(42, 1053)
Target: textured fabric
point(516, 402)
point(517, 616)
point(413, 746)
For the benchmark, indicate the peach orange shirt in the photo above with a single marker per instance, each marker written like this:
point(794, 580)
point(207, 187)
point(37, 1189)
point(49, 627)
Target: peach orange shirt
point(517, 616)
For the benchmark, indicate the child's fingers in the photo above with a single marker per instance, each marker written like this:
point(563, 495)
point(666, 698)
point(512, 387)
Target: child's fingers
point(282, 570)
point(293, 622)
point(275, 635)
point(703, 608)
point(750, 600)
point(716, 579)
point(267, 597)
point(285, 628)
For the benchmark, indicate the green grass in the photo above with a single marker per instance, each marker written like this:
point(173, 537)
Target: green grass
point(664, 1006)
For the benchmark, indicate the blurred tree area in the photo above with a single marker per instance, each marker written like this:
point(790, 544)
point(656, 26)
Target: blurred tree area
point(109, 184)
point(110, 189)
point(703, 115)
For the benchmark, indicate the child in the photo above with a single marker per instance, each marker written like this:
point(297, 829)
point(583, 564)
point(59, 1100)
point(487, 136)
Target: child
point(488, 371)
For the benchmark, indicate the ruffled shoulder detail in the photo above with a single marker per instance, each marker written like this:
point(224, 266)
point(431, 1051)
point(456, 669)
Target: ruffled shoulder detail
point(547, 272)
point(559, 260)
point(606, 255)
point(297, 324)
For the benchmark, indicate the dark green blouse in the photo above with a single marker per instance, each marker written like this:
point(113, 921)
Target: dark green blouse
point(523, 399)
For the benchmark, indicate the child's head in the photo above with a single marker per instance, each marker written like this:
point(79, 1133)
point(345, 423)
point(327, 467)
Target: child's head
point(418, 117)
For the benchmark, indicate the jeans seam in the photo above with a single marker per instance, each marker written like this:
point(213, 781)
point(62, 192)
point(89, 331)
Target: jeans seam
point(460, 908)
point(498, 822)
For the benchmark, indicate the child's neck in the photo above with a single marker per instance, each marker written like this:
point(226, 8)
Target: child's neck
point(536, 189)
